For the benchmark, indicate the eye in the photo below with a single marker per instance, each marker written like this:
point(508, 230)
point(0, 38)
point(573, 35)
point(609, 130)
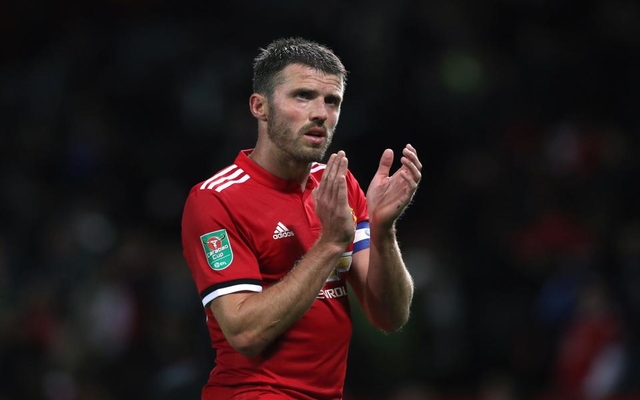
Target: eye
point(304, 94)
point(333, 100)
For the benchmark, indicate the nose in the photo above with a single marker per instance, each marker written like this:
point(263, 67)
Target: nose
point(318, 112)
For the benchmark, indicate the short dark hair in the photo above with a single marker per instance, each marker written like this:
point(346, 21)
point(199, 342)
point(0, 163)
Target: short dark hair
point(283, 52)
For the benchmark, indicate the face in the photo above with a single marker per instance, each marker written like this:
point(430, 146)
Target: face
point(303, 112)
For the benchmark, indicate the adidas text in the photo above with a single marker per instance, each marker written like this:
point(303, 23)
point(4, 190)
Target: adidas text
point(281, 231)
point(281, 235)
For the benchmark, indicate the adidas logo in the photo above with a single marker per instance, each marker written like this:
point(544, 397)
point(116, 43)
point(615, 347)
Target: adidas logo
point(281, 231)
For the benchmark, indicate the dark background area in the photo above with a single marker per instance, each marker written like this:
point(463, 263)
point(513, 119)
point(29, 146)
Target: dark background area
point(523, 239)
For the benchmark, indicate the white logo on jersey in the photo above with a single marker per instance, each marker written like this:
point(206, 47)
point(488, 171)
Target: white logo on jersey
point(334, 293)
point(282, 231)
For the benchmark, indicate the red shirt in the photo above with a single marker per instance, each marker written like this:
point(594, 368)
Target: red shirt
point(244, 229)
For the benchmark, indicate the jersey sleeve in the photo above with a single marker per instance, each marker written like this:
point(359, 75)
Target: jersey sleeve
point(220, 257)
point(361, 214)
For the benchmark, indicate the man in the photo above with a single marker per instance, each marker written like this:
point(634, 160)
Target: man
point(273, 239)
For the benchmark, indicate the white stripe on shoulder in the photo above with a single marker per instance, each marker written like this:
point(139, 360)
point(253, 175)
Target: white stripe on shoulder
point(219, 174)
point(219, 182)
point(231, 289)
point(243, 178)
point(317, 167)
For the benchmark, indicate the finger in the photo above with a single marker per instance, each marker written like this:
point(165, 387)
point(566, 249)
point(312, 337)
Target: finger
point(343, 166)
point(330, 176)
point(341, 193)
point(409, 178)
point(342, 197)
point(412, 168)
point(339, 182)
point(324, 180)
point(385, 163)
point(337, 164)
point(330, 166)
point(411, 154)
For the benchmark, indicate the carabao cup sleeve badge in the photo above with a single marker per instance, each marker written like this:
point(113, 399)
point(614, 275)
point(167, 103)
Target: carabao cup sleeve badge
point(217, 249)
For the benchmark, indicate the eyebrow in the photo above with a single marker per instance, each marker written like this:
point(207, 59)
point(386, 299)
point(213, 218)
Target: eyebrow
point(332, 96)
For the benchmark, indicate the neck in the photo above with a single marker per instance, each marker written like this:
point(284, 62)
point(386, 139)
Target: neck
point(281, 165)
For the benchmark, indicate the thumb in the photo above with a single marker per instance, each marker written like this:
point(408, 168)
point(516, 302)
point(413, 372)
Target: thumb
point(385, 163)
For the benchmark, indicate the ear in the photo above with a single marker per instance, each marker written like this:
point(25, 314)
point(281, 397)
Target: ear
point(259, 106)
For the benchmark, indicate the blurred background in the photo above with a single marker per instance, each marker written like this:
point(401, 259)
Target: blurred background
point(524, 238)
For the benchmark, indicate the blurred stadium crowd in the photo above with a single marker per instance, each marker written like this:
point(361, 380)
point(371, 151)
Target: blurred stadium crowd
point(524, 238)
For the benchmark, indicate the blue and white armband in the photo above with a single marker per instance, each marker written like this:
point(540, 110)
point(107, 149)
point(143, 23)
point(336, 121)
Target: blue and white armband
point(362, 237)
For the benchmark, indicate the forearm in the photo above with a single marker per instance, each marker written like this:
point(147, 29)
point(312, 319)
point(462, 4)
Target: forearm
point(260, 318)
point(389, 286)
point(386, 289)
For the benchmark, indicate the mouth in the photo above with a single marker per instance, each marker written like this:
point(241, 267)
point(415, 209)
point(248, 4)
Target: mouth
point(316, 136)
point(316, 132)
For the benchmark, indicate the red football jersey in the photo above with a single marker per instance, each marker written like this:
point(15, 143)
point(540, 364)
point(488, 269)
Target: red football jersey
point(244, 229)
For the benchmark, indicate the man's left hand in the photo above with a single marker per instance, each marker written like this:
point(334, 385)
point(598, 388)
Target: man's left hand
point(388, 196)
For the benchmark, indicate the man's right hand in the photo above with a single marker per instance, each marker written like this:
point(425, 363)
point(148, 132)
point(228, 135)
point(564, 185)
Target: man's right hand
point(332, 205)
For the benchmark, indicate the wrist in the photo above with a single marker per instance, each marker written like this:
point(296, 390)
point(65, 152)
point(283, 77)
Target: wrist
point(382, 232)
point(331, 247)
